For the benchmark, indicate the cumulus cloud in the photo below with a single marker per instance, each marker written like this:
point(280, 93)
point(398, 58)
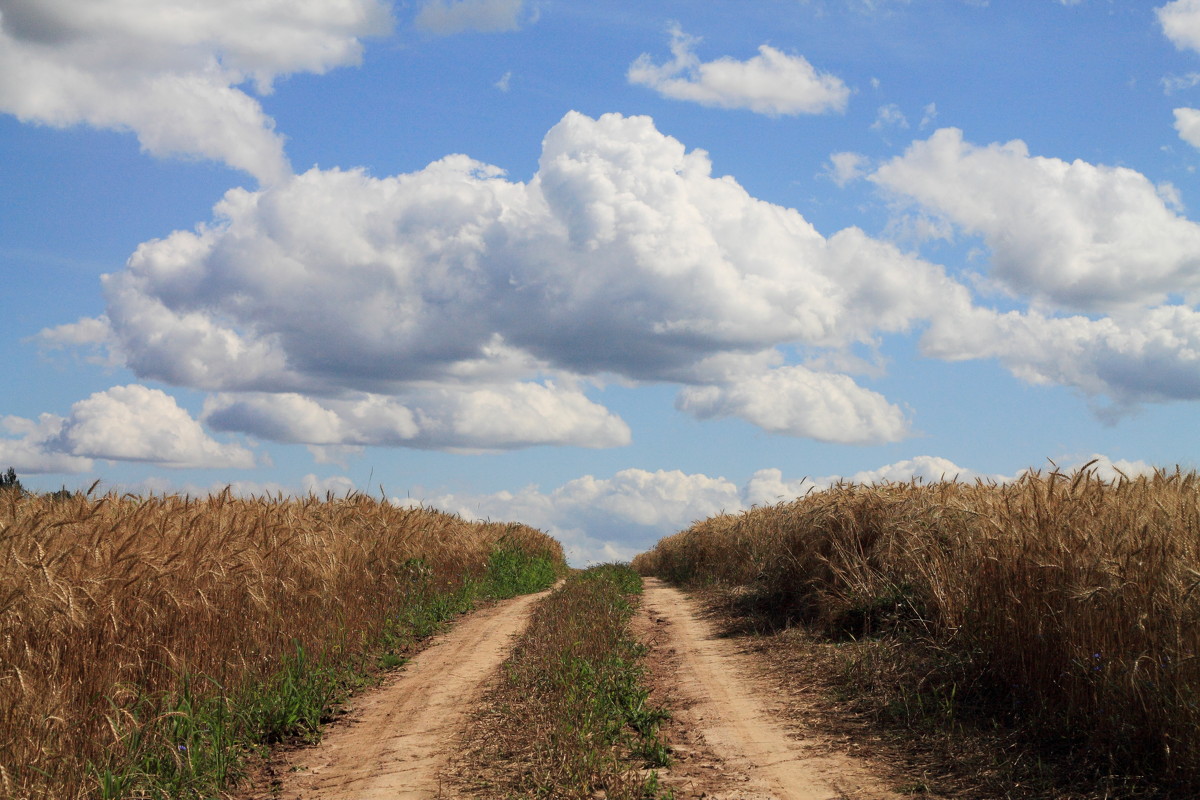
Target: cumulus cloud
point(928, 469)
point(124, 423)
point(1108, 264)
point(172, 72)
point(601, 519)
point(1069, 234)
point(800, 402)
point(26, 446)
point(478, 418)
point(1151, 356)
point(454, 308)
point(772, 83)
point(446, 17)
point(472, 309)
point(1180, 21)
point(1187, 124)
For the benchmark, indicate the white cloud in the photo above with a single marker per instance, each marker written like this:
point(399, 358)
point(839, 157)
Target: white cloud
point(1071, 234)
point(928, 469)
point(455, 288)
point(135, 423)
point(845, 168)
point(453, 308)
point(1180, 21)
point(476, 418)
point(337, 485)
point(1178, 83)
point(1187, 124)
point(124, 423)
point(929, 115)
point(889, 116)
point(172, 71)
point(601, 519)
point(800, 402)
point(771, 83)
point(28, 452)
point(446, 17)
point(1071, 237)
point(1150, 356)
point(505, 82)
point(768, 487)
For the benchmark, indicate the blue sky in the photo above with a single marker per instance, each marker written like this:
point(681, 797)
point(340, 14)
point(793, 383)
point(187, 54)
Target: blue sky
point(601, 267)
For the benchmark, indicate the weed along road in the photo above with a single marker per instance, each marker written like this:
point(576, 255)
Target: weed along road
point(398, 738)
point(737, 750)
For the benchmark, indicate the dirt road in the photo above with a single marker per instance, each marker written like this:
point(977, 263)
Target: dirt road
point(729, 743)
point(398, 738)
point(732, 746)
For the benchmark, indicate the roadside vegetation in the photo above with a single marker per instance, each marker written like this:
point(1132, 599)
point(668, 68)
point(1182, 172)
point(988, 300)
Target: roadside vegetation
point(148, 645)
point(1058, 615)
point(570, 717)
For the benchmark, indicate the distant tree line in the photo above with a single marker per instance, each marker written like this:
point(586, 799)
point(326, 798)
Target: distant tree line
point(9, 482)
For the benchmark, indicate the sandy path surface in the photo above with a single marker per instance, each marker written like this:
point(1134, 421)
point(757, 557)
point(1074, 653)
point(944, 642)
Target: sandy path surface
point(397, 739)
point(733, 746)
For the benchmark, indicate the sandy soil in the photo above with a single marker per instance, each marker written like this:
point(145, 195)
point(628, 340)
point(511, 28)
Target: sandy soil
point(729, 740)
point(396, 741)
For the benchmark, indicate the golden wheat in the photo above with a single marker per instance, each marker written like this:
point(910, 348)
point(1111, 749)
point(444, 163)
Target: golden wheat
point(1075, 598)
point(105, 601)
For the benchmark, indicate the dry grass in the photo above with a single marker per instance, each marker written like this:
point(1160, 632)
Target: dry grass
point(114, 611)
point(1063, 604)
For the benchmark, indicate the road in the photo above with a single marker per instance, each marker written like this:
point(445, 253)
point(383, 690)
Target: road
point(397, 739)
point(730, 741)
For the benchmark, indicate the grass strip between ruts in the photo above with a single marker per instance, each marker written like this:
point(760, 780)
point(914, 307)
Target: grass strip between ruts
point(570, 716)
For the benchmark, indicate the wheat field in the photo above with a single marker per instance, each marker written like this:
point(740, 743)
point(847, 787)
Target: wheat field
point(122, 616)
point(1071, 601)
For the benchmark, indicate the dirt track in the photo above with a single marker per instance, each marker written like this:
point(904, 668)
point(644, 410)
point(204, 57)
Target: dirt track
point(397, 739)
point(735, 748)
point(728, 744)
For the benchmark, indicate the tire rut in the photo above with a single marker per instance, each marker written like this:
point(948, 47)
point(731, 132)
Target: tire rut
point(734, 747)
point(397, 741)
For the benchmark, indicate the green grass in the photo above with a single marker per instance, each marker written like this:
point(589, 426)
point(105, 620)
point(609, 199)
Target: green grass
point(512, 571)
